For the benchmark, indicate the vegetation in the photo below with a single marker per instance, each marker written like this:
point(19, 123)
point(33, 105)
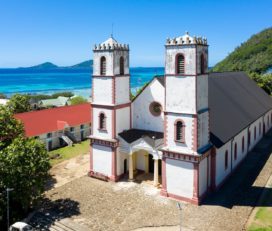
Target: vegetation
point(69, 152)
point(254, 55)
point(49, 65)
point(77, 100)
point(263, 217)
point(53, 96)
point(139, 91)
point(3, 96)
point(24, 165)
point(19, 103)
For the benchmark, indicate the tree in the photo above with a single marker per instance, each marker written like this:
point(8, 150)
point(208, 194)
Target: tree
point(24, 165)
point(77, 100)
point(19, 103)
point(65, 94)
point(10, 128)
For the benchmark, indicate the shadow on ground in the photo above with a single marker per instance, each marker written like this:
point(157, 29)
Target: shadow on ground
point(239, 190)
point(53, 211)
point(50, 183)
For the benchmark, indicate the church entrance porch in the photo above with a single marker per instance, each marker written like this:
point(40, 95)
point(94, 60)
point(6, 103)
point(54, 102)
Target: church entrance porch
point(144, 167)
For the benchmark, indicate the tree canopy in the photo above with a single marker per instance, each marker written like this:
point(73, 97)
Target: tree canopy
point(77, 100)
point(19, 103)
point(24, 165)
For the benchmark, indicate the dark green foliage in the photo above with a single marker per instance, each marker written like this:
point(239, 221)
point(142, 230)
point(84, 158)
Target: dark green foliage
point(65, 94)
point(78, 100)
point(24, 165)
point(254, 55)
point(19, 103)
point(263, 81)
point(139, 91)
point(9, 127)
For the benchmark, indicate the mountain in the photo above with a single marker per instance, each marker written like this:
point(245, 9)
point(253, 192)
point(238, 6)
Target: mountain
point(46, 65)
point(49, 65)
point(254, 55)
point(85, 64)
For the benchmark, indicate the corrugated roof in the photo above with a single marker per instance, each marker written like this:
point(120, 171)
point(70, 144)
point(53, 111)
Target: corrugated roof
point(54, 119)
point(235, 101)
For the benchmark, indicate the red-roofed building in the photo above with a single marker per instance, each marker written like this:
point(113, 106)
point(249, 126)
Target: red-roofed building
point(57, 126)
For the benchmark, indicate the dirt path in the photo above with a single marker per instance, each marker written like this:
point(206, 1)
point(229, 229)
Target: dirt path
point(69, 170)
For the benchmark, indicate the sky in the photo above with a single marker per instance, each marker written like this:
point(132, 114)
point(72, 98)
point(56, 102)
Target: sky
point(65, 31)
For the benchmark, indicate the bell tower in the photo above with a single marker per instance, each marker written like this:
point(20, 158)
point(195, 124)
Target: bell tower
point(186, 119)
point(186, 106)
point(111, 108)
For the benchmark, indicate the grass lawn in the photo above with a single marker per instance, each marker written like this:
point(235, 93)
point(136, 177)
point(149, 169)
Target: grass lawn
point(70, 152)
point(263, 217)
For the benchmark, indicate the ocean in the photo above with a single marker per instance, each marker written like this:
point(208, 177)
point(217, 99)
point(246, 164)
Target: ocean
point(78, 81)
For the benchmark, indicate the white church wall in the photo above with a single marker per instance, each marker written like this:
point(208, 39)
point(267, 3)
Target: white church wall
point(96, 62)
point(102, 157)
point(180, 178)
point(203, 176)
point(186, 147)
point(189, 56)
point(221, 171)
point(96, 131)
point(122, 120)
point(142, 117)
point(102, 87)
point(122, 88)
point(180, 94)
point(240, 153)
point(203, 129)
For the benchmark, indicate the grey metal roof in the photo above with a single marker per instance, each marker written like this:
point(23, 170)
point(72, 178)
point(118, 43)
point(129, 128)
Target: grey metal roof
point(235, 101)
point(153, 138)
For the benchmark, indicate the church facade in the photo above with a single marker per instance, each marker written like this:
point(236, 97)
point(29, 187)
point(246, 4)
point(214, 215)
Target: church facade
point(188, 128)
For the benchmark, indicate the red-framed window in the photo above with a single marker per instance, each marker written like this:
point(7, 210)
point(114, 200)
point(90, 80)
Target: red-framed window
point(180, 131)
point(122, 66)
point(102, 121)
point(180, 64)
point(103, 65)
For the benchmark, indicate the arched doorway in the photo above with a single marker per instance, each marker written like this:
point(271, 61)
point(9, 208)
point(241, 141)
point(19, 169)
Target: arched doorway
point(150, 163)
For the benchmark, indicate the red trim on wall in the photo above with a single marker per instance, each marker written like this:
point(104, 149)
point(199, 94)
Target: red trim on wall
point(196, 183)
point(194, 134)
point(165, 129)
point(185, 199)
point(113, 91)
point(113, 165)
point(110, 76)
point(164, 183)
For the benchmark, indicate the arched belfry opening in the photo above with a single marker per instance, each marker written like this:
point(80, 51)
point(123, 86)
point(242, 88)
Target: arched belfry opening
point(202, 64)
point(103, 65)
point(180, 68)
point(122, 67)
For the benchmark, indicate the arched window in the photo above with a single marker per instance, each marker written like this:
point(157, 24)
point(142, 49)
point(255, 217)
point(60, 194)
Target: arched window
point(102, 121)
point(202, 64)
point(243, 144)
point(235, 151)
point(103, 66)
point(179, 131)
point(180, 69)
point(122, 71)
point(226, 159)
point(255, 133)
point(260, 128)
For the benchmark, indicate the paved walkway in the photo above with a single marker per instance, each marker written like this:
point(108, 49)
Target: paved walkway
point(132, 206)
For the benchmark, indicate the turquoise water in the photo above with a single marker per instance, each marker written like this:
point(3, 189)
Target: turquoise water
point(50, 81)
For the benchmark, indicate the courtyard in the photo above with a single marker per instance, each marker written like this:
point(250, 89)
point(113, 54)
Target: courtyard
point(99, 205)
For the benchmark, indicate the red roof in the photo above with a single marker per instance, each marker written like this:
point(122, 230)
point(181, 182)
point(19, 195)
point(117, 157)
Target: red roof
point(54, 119)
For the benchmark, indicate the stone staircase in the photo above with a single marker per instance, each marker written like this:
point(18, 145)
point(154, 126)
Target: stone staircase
point(67, 140)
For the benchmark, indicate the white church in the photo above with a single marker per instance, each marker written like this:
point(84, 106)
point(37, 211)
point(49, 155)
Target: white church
point(188, 128)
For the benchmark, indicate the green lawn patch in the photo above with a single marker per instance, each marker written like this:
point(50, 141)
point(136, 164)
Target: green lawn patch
point(263, 217)
point(69, 152)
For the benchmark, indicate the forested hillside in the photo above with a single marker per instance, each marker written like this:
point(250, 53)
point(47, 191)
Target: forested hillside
point(254, 55)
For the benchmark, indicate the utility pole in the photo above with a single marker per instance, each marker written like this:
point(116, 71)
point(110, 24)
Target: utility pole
point(179, 206)
point(8, 190)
